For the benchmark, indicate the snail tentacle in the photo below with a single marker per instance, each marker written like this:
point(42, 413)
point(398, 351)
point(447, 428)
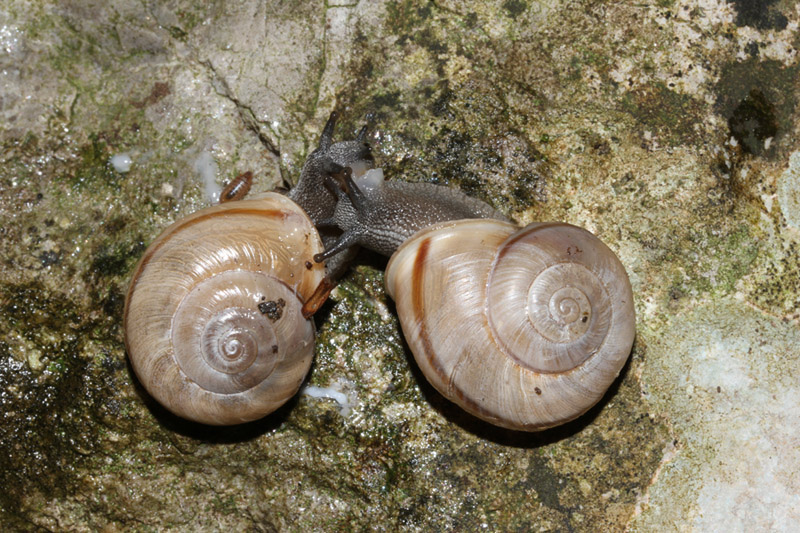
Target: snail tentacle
point(326, 137)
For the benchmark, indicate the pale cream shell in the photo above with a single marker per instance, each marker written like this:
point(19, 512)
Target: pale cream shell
point(195, 335)
point(524, 328)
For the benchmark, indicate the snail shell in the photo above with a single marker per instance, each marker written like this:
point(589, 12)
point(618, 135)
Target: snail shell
point(524, 328)
point(213, 323)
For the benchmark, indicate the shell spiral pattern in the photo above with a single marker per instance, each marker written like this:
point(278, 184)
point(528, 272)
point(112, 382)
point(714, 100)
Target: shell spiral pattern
point(544, 319)
point(213, 322)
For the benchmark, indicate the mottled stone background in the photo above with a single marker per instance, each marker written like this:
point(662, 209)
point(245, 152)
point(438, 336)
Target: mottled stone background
point(667, 127)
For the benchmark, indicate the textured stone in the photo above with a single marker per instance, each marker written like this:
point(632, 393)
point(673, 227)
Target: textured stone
point(630, 119)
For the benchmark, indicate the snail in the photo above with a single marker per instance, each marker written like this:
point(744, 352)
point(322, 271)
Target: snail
point(520, 348)
point(525, 328)
point(216, 317)
point(213, 317)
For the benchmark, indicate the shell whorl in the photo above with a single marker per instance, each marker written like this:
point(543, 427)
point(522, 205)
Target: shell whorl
point(213, 322)
point(525, 328)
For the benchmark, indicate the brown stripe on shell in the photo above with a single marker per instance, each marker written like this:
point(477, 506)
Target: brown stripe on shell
point(418, 303)
point(191, 221)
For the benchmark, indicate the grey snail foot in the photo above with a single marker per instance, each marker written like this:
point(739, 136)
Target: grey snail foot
point(380, 215)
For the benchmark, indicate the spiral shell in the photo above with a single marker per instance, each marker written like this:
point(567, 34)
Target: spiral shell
point(213, 323)
point(524, 328)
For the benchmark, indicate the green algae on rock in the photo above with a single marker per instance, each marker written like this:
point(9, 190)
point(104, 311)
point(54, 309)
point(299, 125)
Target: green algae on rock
point(547, 93)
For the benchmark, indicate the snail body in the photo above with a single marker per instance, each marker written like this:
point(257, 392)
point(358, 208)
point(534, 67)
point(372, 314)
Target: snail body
point(213, 323)
point(525, 328)
point(310, 192)
point(319, 201)
point(380, 215)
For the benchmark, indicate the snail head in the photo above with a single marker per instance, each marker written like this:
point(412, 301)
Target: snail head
point(310, 193)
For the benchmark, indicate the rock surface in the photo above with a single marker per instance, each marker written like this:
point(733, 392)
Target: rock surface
point(669, 128)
